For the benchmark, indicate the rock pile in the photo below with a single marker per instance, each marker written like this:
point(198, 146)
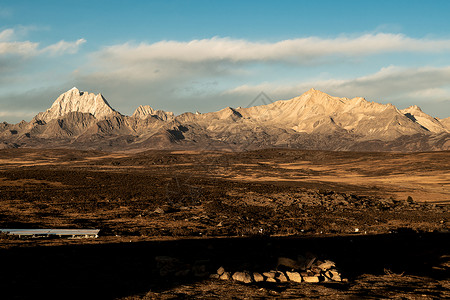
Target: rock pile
point(305, 269)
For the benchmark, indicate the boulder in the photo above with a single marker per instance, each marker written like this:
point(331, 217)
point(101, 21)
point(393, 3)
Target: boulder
point(281, 277)
point(258, 277)
point(334, 275)
point(288, 263)
point(225, 276)
point(294, 276)
point(242, 277)
point(312, 279)
point(327, 265)
point(271, 280)
point(220, 271)
point(270, 274)
point(310, 259)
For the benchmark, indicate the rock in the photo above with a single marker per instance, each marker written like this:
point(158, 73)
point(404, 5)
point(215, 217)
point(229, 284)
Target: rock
point(317, 262)
point(271, 279)
point(220, 271)
point(334, 275)
point(287, 262)
point(327, 265)
point(312, 279)
point(270, 274)
point(214, 276)
point(75, 100)
point(316, 270)
point(159, 210)
point(242, 277)
point(310, 259)
point(294, 276)
point(225, 276)
point(258, 277)
point(281, 277)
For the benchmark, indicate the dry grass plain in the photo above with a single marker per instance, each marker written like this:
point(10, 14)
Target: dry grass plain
point(224, 206)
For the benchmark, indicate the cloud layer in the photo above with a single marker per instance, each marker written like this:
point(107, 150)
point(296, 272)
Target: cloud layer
point(292, 50)
point(209, 74)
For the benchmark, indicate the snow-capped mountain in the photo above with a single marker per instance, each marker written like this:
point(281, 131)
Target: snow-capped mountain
point(314, 120)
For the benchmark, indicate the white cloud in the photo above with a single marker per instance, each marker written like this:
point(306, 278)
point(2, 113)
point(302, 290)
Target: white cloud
point(430, 93)
point(6, 34)
point(389, 81)
point(11, 45)
point(16, 114)
point(294, 50)
point(63, 47)
point(19, 48)
point(210, 58)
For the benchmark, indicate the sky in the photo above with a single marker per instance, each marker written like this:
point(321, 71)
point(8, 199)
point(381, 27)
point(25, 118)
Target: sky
point(206, 55)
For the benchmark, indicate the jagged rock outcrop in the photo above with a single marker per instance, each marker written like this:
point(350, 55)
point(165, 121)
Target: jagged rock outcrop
point(76, 101)
point(145, 111)
point(446, 123)
point(426, 121)
point(314, 120)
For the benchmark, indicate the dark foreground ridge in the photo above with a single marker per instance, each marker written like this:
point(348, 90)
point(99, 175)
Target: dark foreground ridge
point(109, 271)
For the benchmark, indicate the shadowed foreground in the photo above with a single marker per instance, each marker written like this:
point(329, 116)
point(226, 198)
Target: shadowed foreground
point(373, 265)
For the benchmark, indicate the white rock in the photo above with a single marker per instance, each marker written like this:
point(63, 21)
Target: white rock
point(270, 274)
point(294, 276)
point(242, 277)
point(225, 276)
point(281, 277)
point(258, 277)
point(312, 279)
point(220, 271)
point(327, 265)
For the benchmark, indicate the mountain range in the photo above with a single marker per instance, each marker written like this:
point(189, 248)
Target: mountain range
point(314, 120)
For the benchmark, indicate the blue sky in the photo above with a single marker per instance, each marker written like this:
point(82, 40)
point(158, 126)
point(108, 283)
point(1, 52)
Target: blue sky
point(206, 55)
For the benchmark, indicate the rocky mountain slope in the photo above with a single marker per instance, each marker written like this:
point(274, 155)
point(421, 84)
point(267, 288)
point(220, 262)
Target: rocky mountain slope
point(314, 120)
point(76, 101)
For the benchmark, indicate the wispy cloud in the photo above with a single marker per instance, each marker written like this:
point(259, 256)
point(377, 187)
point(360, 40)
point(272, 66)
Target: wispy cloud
point(19, 48)
point(6, 34)
point(16, 114)
point(63, 47)
point(11, 45)
point(388, 82)
point(292, 50)
point(174, 60)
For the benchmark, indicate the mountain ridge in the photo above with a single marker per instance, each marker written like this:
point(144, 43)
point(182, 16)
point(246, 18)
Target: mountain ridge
point(313, 120)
